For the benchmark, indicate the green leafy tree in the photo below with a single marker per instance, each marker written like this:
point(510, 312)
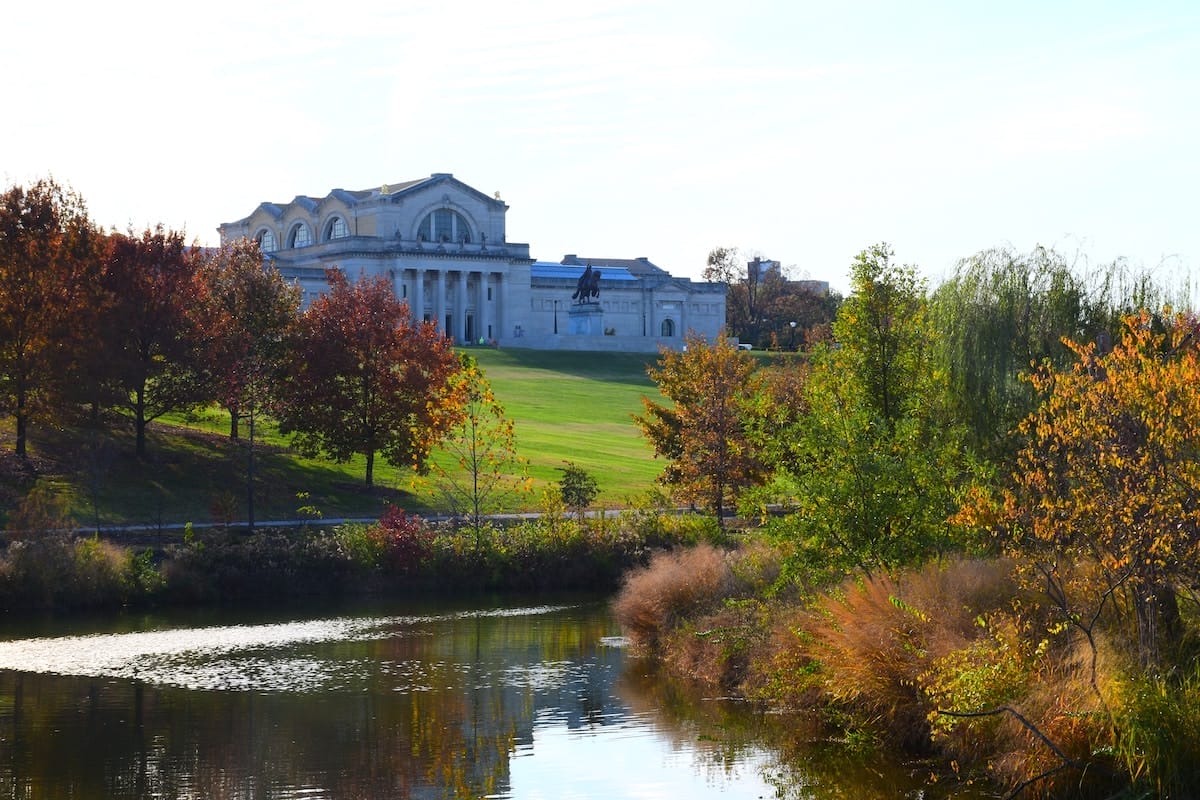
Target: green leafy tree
point(363, 378)
point(484, 469)
point(703, 431)
point(578, 488)
point(1000, 315)
point(883, 333)
point(876, 462)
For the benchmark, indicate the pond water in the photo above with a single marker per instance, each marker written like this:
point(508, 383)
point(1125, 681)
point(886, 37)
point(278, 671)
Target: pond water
point(511, 701)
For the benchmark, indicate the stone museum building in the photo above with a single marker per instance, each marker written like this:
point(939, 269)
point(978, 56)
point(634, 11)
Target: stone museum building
point(443, 246)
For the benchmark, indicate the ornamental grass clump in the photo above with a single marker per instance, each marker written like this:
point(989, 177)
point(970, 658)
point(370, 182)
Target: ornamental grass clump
point(674, 587)
point(875, 638)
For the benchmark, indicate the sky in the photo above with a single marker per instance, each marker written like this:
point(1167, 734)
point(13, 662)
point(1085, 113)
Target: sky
point(798, 131)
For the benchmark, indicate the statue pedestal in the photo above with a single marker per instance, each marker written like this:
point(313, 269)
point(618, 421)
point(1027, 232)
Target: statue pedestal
point(586, 319)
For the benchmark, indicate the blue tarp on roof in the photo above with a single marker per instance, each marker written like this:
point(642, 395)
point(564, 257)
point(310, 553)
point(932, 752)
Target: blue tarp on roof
point(551, 269)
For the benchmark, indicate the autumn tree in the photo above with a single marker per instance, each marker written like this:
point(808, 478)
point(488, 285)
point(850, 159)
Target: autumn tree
point(362, 378)
point(483, 467)
point(152, 345)
point(248, 312)
point(46, 250)
point(702, 431)
point(763, 306)
point(1109, 476)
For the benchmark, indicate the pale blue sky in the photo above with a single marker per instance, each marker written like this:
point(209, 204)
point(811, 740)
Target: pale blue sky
point(799, 131)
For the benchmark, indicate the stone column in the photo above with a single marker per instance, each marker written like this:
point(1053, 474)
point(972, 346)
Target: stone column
point(481, 307)
point(460, 308)
point(418, 298)
point(501, 316)
point(440, 303)
point(397, 276)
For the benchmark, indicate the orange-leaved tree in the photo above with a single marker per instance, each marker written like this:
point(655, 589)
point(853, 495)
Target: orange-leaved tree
point(1109, 476)
point(248, 313)
point(704, 429)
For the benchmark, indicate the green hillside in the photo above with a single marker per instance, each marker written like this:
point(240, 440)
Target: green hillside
point(565, 407)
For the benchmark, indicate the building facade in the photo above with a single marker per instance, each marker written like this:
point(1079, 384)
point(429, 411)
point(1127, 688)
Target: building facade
point(444, 247)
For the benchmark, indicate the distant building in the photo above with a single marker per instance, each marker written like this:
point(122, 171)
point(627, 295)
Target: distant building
point(444, 246)
point(760, 269)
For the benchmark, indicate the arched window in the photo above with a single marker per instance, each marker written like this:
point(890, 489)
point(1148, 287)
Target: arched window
point(336, 229)
point(668, 328)
point(445, 225)
point(299, 236)
point(266, 240)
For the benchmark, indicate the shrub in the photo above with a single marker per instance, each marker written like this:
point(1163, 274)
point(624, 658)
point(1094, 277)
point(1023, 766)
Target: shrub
point(1159, 741)
point(877, 638)
point(101, 573)
point(405, 539)
point(361, 544)
point(674, 586)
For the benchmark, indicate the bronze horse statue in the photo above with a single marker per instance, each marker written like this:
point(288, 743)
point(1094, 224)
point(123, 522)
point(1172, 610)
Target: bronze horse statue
point(588, 286)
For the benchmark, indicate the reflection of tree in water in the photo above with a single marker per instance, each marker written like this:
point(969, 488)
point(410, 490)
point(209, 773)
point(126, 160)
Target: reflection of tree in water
point(435, 711)
point(806, 761)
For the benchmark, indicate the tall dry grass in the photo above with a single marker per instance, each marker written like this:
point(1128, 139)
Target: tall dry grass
point(675, 586)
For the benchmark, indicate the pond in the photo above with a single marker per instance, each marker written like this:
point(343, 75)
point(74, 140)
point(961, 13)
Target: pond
point(519, 701)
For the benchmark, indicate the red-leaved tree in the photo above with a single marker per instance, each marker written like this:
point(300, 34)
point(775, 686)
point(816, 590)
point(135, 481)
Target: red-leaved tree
point(362, 378)
point(46, 241)
point(152, 346)
point(248, 313)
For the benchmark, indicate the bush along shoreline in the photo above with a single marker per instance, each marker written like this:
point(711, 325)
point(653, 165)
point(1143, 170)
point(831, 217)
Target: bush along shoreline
point(400, 554)
point(953, 660)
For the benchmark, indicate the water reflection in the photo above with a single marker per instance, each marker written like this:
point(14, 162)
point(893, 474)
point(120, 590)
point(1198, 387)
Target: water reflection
point(517, 703)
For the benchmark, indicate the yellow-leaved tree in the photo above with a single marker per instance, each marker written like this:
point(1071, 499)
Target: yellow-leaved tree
point(1108, 479)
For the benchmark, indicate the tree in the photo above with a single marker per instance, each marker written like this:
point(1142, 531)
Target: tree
point(1109, 476)
point(1001, 314)
point(882, 331)
point(249, 311)
point(875, 461)
point(45, 249)
point(362, 378)
point(763, 306)
point(578, 488)
point(484, 467)
point(247, 314)
point(703, 431)
point(152, 346)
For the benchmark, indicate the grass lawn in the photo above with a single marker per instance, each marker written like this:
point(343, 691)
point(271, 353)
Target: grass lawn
point(565, 406)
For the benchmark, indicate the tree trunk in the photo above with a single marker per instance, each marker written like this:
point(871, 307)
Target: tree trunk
point(370, 467)
point(139, 419)
point(233, 422)
point(22, 422)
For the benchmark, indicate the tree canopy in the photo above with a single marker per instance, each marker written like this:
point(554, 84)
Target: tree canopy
point(703, 432)
point(362, 378)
